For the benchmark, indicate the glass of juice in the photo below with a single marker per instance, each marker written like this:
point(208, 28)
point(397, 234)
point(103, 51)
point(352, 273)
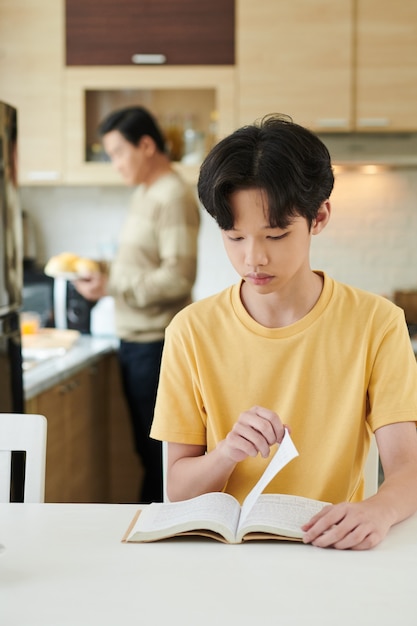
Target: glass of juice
point(29, 322)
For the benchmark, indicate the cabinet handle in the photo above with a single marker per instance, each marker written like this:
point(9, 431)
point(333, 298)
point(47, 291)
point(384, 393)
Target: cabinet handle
point(43, 175)
point(149, 59)
point(374, 122)
point(332, 122)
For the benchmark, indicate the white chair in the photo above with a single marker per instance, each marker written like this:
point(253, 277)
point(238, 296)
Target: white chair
point(27, 433)
point(164, 470)
point(371, 470)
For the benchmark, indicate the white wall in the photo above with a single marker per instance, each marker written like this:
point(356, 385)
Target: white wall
point(370, 241)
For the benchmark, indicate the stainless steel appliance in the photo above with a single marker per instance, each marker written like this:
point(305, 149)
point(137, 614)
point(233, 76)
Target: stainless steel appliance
point(11, 272)
point(38, 295)
point(37, 286)
point(29, 241)
point(56, 301)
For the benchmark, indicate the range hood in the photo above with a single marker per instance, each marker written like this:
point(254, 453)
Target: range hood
point(356, 149)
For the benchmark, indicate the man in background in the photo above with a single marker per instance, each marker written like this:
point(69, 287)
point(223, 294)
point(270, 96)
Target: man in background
point(152, 275)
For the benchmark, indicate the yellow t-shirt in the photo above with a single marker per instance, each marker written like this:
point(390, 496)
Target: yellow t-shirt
point(345, 369)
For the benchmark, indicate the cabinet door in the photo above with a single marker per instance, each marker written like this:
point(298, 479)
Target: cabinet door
point(31, 66)
point(99, 441)
point(77, 449)
point(53, 403)
point(77, 438)
point(295, 58)
point(80, 435)
point(386, 65)
point(186, 32)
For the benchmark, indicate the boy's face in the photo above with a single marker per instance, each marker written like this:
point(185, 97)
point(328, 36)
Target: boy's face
point(268, 259)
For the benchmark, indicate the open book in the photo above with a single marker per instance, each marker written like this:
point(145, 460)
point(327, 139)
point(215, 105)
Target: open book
point(218, 515)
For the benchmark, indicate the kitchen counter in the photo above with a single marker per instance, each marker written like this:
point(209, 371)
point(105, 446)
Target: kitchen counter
point(50, 371)
point(90, 454)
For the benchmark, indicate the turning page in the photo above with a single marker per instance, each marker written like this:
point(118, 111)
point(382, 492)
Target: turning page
point(285, 453)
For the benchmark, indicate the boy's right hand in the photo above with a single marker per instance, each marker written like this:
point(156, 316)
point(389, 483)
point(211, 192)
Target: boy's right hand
point(255, 432)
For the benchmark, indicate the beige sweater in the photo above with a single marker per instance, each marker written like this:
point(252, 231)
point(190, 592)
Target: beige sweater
point(154, 270)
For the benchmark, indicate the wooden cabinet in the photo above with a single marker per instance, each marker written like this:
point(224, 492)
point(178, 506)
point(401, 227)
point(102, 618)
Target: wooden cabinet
point(54, 123)
point(386, 69)
point(76, 454)
point(333, 66)
point(349, 65)
point(93, 92)
point(295, 58)
point(90, 453)
point(101, 36)
point(31, 72)
point(184, 32)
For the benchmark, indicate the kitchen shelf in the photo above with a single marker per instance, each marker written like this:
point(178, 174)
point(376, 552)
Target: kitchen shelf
point(174, 110)
point(170, 93)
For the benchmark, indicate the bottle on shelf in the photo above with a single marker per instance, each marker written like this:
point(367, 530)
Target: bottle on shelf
point(193, 142)
point(174, 137)
point(95, 152)
point(212, 136)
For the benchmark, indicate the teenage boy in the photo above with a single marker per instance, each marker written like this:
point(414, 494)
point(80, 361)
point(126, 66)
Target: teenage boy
point(288, 345)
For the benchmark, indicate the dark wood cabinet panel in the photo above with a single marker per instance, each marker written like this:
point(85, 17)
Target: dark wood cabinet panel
point(186, 32)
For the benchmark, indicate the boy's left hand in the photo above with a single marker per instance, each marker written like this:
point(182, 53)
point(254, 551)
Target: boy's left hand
point(355, 526)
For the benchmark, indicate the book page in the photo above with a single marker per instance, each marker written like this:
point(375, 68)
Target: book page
point(284, 513)
point(285, 453)
point(210, 510)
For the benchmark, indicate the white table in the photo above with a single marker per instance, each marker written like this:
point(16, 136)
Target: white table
point(64, 565)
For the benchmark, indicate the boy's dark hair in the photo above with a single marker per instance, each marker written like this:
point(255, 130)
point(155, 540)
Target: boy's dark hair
point(133, 123)
point(287, 161)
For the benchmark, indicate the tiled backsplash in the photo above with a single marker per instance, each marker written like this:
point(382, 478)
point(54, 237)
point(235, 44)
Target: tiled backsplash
point(370, 241)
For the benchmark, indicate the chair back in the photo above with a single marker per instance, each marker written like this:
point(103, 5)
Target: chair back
point(23, 433)
point(164, 470)
point(371, 470)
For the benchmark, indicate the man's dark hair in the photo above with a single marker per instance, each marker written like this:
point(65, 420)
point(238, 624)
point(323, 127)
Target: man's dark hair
point(287, 161)
point(133, 123)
